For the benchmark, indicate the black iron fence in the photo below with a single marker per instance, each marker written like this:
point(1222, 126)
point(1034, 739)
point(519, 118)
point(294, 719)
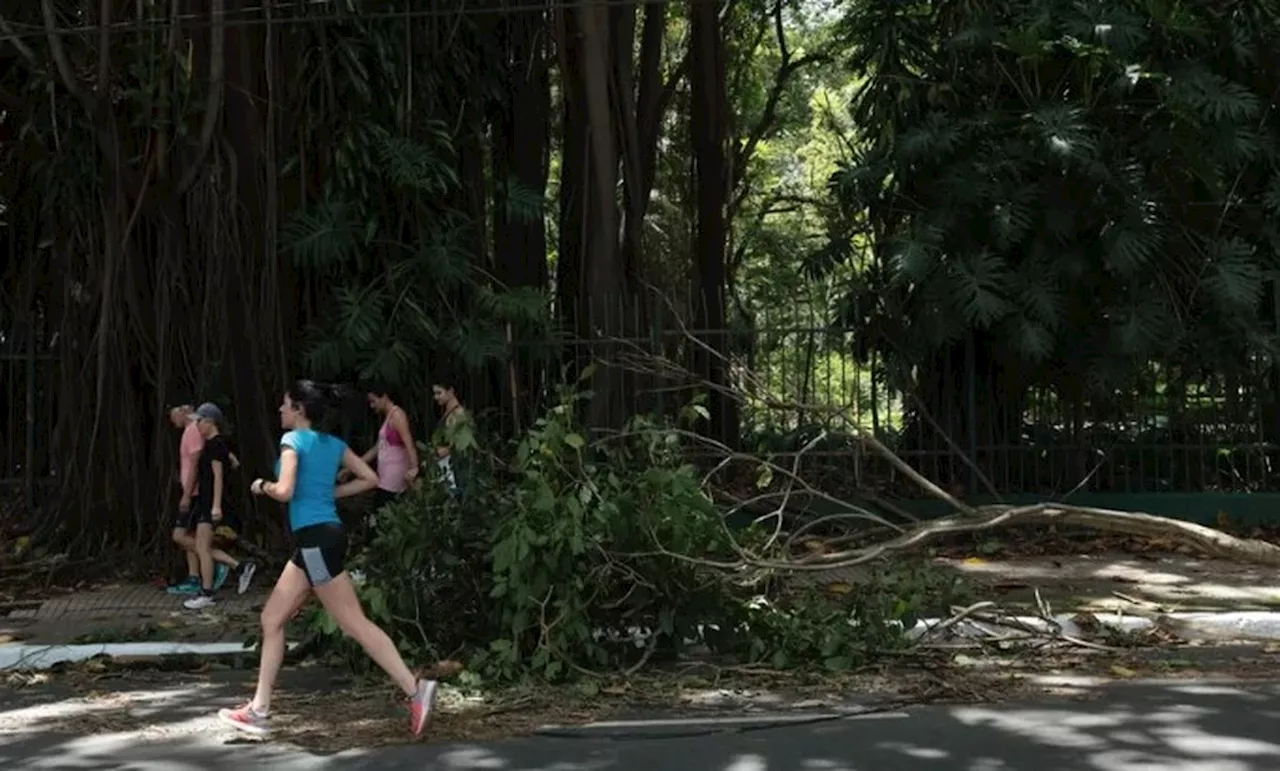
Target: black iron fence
point(969, 421)
point(27, 382)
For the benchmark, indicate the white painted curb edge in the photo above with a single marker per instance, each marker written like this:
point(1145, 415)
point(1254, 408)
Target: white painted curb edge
point(1251, 625)
point(25, 657)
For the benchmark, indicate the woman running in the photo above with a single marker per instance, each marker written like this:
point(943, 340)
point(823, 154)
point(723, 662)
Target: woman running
point(395, 454)
point(309, 463)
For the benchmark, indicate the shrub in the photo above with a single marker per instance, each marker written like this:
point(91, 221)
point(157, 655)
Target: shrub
point(570, 557)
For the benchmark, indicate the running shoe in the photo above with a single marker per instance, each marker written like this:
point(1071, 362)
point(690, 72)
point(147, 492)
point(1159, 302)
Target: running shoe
point(188, 585)
point(247, 569)
point(220, 573)
point(200, 602)
point(245, 719)
point(421, 706)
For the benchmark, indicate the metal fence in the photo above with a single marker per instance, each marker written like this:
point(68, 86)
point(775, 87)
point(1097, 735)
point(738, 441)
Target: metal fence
point(27, 382)
point(966, 419)
point(1160, 427)
point(1167, 428)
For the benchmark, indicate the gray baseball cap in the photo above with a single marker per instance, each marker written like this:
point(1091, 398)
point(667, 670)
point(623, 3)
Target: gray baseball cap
point(209, 411)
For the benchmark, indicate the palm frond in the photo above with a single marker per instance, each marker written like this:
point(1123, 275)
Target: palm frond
point(321, 235)
point(981, 282)
point(1234, 279)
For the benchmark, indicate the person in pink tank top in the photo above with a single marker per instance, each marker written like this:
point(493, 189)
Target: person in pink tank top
point(395, 454)
point(183, 418)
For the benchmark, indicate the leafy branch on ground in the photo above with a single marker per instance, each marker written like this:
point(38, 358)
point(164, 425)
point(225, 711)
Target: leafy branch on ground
point(587, 556)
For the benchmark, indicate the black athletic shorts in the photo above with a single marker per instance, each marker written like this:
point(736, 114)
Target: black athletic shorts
point(383, 497)
point(200, 513)
point(320, 550)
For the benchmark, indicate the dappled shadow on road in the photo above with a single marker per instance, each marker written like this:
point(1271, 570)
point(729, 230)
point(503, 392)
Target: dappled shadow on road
point(1172, 726)
point(1088, 581)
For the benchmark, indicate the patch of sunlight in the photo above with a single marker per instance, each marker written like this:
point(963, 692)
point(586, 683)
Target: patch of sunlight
point(22, 719)
point(1131, 737)
point(914, 751)
point(1192, 740)
point(472, 757)
point(1262, 595)
point(1139, 575)
point(1209, 689)
point(1141, 760)
point(1055, 728)
point(747, 763)
point(988, 764)
point(824, 764)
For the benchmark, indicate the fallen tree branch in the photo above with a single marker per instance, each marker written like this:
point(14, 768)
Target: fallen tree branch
point(969, 519)
point(1140, 524)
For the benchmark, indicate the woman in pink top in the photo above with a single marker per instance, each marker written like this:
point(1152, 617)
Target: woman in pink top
point(395, 454)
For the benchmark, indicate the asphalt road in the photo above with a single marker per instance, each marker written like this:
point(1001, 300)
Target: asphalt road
point(1174, 726)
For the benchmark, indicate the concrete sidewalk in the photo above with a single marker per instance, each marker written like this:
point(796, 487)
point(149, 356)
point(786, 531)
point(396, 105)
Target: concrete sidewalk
point(132, 612)
point(1187, 725)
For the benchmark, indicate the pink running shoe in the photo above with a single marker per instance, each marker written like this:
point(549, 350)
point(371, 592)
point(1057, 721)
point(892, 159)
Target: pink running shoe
point(421, 706)
point(245, 719)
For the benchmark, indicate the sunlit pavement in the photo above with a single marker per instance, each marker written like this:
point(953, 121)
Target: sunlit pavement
point(1185, 725)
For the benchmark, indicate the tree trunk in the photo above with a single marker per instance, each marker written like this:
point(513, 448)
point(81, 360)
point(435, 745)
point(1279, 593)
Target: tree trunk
point(709, 129)
point(598, 303)
point(520, 147)
point(243, 227)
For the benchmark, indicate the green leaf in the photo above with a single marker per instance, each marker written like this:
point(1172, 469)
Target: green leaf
point(416, 166)
point(1271, 197)
point(1212, 98)
point(1234, 280)
point(575, 441)
point(765, 476)
point(320, 236)
point(1063, 131)
point(916, 254)
point(1034, 341)
point(1129, 249)
point(980, 282)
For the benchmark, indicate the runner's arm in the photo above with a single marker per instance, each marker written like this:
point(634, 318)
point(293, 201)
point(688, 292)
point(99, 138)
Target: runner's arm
point(366, 478)
point(217, 489)
point(282, 489)
point(188, 472)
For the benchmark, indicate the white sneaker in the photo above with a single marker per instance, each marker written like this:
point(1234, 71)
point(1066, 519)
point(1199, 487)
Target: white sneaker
point(199, 602)
point(247, 569)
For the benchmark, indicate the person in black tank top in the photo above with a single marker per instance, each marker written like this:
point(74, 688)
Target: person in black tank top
point(206, 511)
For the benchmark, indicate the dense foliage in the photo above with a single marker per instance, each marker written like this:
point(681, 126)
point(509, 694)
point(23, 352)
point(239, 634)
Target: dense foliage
point(1057, 194)
point(569, 558)
point(1047, 240)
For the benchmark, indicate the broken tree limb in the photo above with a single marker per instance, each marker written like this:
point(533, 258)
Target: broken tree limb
point(752, 389)
point(1206, 539)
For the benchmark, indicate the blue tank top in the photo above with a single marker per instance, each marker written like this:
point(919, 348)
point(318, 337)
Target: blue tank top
point(319, 461)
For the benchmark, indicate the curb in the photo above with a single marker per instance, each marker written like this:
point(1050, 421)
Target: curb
point(36, 657)
point(1259, 625)
point(690, 726)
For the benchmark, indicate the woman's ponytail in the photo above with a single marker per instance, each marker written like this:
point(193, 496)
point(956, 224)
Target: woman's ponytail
point(321, 402)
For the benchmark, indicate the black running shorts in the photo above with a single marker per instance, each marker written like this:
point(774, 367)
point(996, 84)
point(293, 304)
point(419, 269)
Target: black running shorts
point(320, 550)
point(200, 513)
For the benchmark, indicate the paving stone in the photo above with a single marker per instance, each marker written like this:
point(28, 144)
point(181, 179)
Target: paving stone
point(130, 600)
